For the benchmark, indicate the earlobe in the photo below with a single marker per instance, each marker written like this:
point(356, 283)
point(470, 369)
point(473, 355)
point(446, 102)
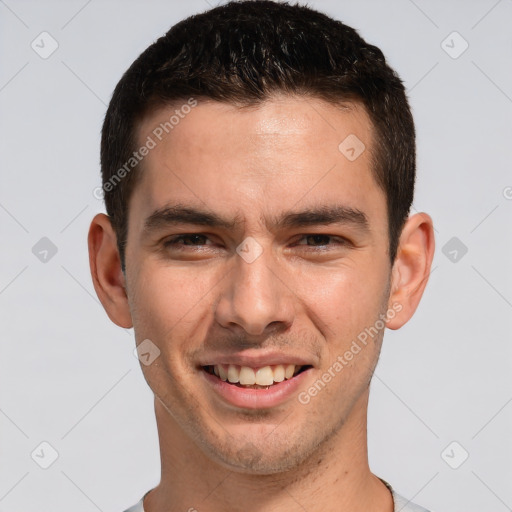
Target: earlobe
point(107, 276)
point(411, 268)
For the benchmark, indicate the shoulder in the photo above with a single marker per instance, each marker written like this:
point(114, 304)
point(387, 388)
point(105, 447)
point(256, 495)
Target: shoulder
point(136, 508)
point(402, 504)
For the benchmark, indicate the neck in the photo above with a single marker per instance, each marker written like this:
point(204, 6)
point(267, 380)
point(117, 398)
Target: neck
point(335, 478)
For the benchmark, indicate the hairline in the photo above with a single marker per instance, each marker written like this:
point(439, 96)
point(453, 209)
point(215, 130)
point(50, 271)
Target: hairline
point(344, 104)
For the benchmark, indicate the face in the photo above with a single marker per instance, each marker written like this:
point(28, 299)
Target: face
point(254, 241)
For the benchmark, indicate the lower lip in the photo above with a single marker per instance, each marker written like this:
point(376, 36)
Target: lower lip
point(250, 398)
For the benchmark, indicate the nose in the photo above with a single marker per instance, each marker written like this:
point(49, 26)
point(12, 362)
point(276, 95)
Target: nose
point(255, 297)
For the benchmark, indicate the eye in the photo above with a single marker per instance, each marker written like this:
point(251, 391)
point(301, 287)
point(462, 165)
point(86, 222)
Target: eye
point(318, 239)
point(321, 240)
point(191, 247)
point(189, 239)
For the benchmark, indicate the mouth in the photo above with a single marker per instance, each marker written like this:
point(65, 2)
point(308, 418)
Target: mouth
point(255, 378)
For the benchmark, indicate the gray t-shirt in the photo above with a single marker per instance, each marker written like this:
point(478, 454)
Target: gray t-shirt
point(400, 503)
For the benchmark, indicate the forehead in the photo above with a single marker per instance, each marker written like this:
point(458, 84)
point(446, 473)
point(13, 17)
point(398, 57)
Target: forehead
point(257, 160)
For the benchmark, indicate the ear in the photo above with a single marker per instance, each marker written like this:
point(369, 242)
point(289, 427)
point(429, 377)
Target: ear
point(107, 276)
point(411, 268)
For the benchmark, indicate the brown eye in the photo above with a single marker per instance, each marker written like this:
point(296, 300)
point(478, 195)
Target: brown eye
point(318, 239)
point(187, 239)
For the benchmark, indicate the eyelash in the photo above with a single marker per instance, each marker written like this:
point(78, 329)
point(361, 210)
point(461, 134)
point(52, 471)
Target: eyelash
point(174, 241)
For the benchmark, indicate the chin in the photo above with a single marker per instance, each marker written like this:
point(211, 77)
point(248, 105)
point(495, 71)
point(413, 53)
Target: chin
point(266, 459)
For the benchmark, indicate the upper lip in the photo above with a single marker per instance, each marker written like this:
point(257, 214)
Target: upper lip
point(256, 360)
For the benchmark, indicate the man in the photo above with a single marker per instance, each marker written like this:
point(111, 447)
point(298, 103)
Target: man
point(258, 164)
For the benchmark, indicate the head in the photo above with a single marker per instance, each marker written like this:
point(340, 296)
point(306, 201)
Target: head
point(266, 218)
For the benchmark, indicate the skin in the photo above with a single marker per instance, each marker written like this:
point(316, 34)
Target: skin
point(307, 296)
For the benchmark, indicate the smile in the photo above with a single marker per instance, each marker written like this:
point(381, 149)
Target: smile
point(255, 388)
point(255, 378)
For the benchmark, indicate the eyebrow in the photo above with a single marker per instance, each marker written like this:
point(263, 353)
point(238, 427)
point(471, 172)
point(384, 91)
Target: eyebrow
point(325, 214)
point(182, 214)
point(171, 215)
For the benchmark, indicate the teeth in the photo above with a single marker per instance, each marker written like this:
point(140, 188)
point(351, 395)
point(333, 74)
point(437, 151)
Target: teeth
point(246, 376)
point(233, 374)
point(223, 374)
point(279, 373)
point(264, 376)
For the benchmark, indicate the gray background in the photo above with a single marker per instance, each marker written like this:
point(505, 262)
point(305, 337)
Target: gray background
point(68, 376)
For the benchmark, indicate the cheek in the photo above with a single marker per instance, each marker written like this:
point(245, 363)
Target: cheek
point(345, 298)
point(171, 308)
point(166, 300)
